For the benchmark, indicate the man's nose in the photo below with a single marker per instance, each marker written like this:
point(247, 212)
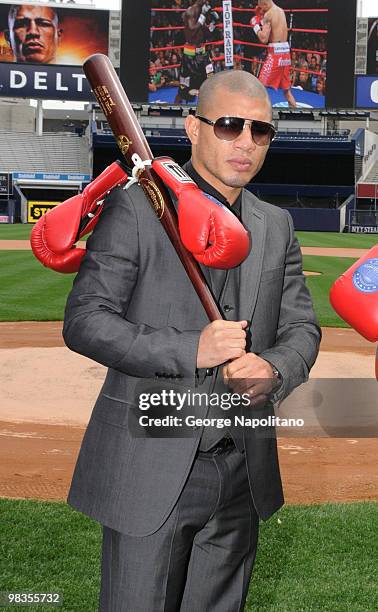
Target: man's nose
point(245, 140)
point(32, 27)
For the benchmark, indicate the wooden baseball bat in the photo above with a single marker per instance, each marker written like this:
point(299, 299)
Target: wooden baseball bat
point(130, 139)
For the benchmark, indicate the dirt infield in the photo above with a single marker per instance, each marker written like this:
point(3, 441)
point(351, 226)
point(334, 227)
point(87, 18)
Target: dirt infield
point(50, 391)
point(333, 252)
point(24, 245)
point(37, 462)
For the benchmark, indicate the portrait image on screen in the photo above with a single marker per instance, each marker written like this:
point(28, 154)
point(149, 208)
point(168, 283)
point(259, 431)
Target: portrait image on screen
point(46, 34)
point(372, 47)
point(193, 39)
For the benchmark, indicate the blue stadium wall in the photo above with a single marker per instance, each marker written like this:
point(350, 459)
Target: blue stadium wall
point(310, 178)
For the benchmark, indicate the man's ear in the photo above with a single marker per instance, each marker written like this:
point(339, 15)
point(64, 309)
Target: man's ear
point(7, 36)
point(192, 128)
point(60, 32)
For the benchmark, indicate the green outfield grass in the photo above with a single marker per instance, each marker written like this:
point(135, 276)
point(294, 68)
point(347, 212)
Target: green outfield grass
point(18, 231)
point(317, 558)
point(319, 286)
point(30, 292)
point(15, 231)
point(21, 231)
point(47, 547)
point(334, 239)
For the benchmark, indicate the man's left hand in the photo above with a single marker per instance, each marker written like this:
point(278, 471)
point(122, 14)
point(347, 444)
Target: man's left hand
point(250, 374)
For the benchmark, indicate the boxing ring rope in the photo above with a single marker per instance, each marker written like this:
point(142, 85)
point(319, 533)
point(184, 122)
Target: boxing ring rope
point(219, 9)
point(253, 10)
point(254, 44)
point(237, 41)
point(307, 30)
point(173, 47)
point(238, 25)
point(157, 28)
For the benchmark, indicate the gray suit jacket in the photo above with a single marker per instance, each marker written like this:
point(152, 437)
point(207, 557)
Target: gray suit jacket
point(133, 309)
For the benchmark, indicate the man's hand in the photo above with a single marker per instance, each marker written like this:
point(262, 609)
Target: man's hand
point(257, 22)
point(220, 341)
point(213, 19)
point(250, 374)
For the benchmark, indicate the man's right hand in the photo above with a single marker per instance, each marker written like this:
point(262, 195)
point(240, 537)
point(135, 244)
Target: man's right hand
point(221, 341)
point(205, 9)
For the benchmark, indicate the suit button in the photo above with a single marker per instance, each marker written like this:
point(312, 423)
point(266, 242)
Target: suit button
point(209, 371)
point(227, 308)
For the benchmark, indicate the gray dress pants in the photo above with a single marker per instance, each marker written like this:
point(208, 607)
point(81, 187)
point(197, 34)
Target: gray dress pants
point(201, 559)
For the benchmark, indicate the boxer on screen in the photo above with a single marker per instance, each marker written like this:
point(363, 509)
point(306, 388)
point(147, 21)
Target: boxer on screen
point(270, 26)
point(33, 33)
point(196, 63)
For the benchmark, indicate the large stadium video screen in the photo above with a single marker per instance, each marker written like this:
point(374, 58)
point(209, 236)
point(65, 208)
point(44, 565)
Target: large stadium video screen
point(43, 47)
point(187, 43)
point(46, 34)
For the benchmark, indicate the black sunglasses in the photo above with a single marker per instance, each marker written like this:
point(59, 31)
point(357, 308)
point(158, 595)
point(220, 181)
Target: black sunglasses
point(230, 128)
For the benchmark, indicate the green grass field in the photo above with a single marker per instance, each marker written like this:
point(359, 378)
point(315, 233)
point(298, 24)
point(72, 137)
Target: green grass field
point(15, 231)
point(30, 292)
point(18, 231)
point(21, 231)
point(334, 239)
point(318, 558)
point(24, 281)
point(319, 286)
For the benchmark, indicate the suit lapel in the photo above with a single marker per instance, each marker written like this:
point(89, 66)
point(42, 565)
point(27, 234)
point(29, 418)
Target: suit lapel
point(250, 270)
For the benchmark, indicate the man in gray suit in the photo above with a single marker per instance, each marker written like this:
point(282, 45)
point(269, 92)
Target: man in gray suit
point(180, 514)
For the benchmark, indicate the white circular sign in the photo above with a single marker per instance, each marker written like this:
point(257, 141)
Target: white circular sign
point(374, 92)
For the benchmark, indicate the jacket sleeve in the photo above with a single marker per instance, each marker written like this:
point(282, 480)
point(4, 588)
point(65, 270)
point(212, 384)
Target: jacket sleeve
point(298, 334)
point(95, 320)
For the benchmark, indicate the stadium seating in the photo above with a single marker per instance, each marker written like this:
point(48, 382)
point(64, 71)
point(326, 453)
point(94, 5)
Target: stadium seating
point(372, 175)
point(51, 152)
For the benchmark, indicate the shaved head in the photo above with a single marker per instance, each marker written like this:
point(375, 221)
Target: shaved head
point(233, 81)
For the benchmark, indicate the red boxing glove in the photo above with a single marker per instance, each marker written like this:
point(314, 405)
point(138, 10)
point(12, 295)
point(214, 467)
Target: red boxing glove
point(256, 21)
point(354, 295)
point(208, 229)
point(53, 237)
